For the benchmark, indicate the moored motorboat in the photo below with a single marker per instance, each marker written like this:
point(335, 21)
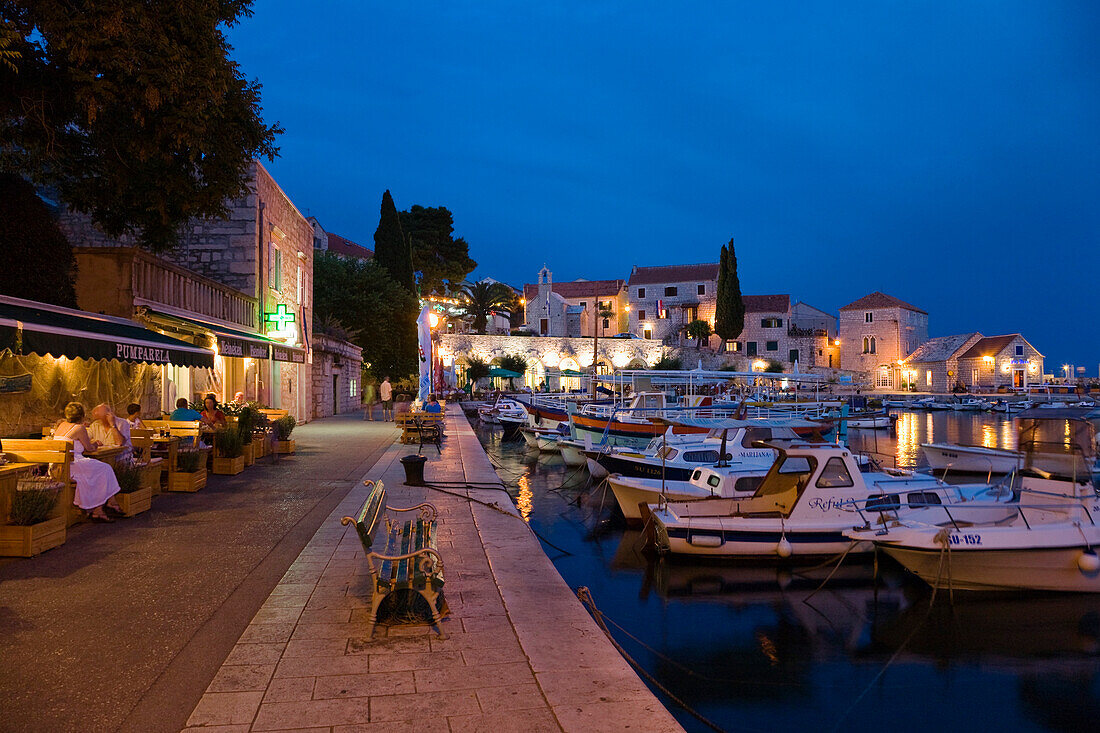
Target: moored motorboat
point(971, 405)
point(572, 452)
point(542, 439)
point(1048, 544)
point(811, 495)
point(871, 422)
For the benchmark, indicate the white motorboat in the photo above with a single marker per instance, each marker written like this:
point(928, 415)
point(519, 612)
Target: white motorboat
point(505, 409)
point(1048, 544)
point(898, 404)
point(810, 497)
point(1010, 406)
point(971, 405)
point(673, 456)
point(923, 404)
point(542, 439)
point(1061, 442)
point(871, 422)
point(572, 452)
point(938, 406)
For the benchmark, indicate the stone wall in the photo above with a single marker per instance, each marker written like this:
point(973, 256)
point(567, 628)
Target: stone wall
point(337, 376)
point(546, 352)
point(897, 333)
point(999, 371)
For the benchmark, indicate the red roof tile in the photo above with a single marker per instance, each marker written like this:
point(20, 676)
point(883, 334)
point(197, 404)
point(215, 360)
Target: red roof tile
point(766, 303)
point(578, 289)
point(674, 274)
point(341, 246)
point(880, 300)
point(990, 346)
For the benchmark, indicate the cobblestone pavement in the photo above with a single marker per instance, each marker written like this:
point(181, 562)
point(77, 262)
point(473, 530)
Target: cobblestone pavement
point(124, 626)
point(521, 653)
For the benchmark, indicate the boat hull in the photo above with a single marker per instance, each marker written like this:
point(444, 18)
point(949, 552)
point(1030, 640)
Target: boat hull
point(626, 466)
point(971, 459)
point(759, 543)
point(572, 454)
point(1048, 569)
point(633, 493)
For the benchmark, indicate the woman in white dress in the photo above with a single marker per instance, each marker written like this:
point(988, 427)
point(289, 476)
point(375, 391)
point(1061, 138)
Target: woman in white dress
point(96, 484)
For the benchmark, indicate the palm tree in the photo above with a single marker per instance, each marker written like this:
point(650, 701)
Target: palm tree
point(481, 299)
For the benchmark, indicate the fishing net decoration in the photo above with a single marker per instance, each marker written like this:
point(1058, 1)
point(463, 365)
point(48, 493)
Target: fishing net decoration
point(54, 382)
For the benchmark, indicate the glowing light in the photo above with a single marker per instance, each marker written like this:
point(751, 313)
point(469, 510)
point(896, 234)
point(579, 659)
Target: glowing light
point(987, 358)
point(433, 319)
point(626, 307)
point(758, 365)
point(836, 342)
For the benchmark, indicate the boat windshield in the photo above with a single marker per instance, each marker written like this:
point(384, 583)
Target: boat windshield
point(753, 435)
point(785, 482)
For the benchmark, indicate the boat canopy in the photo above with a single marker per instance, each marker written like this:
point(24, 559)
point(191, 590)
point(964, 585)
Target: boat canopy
point(723, 423)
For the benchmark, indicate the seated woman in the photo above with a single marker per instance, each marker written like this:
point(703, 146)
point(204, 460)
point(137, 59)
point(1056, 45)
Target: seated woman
point(432, 405)
point(96, 484)
point(212, 417)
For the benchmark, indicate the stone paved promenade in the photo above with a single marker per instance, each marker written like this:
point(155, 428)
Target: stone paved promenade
point(522, 654)
point(124, 625)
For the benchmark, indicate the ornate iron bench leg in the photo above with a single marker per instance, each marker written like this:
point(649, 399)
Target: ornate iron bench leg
point(437, 616)
point(376, 598)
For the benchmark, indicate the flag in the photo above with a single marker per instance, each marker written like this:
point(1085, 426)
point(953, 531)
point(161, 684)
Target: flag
point(424, 339)
point(660, 309)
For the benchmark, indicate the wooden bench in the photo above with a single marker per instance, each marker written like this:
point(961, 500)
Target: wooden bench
point(410, 561)
point(421, 427)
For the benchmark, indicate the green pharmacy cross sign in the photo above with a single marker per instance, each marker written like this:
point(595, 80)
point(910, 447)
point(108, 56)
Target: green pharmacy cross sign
point(280, 322)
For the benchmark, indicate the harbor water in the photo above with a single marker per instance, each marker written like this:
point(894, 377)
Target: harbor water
point(862, 646)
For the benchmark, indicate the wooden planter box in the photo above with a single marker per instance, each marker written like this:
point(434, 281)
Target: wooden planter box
point(135, 502)
point(180, 481)
point(259, 447)
point(228, 466)
point(150, 477)
point(29, 541)
point(249, 453)
point(284, 446)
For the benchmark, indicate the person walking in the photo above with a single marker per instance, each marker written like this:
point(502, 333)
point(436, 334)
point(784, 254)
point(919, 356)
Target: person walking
point(385, 393)
point(370, 396)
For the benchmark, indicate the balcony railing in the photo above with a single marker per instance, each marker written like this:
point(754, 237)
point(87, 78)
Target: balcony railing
point(160, 282)
point(795, 332)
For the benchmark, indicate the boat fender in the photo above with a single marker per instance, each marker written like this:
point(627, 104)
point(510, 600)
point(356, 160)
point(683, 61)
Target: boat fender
point(1089, 561)
point(783, 549)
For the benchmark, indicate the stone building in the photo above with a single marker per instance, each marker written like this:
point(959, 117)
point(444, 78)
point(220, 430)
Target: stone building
point(325, 241)
point(878, 331)
point(1000, 361)
point(664, 300)
point(337, 376)
point(934, 366)
point(571, 309)
point(244, 283)
point(548, 358)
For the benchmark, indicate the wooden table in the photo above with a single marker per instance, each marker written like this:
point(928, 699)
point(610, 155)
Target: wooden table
point(106, 453)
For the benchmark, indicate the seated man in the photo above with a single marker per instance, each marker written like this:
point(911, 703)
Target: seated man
point(108, 429)
point(133, 415)
point(183, 413)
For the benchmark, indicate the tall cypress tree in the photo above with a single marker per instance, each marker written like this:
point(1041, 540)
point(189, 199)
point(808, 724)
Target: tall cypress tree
point(391, 248)
point(729, 316)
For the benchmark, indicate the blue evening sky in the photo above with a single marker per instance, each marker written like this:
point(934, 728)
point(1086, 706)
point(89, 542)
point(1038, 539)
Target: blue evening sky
point(945, 153)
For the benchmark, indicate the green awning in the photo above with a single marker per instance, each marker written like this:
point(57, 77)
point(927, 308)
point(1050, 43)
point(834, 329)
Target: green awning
point(498, 372)
point(571, 373)
point(27, 327)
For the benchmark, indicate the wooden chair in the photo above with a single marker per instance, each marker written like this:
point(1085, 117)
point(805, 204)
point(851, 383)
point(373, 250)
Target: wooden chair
point(58, 454)
point(151, 466)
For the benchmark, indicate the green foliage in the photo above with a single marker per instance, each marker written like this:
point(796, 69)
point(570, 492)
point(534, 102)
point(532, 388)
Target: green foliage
point(38, 261)
point(129, 477)
point(442, 260)
point(699, 330)
point(481, 299)
point(729, 368)
point(667, 362)
point(284, 426)
point(132, 110)
point(228, 443)
point(381, 313)
point(729, 314)
point(476, 369)
point(514, 363)
point(189, 460)
point(33, 501)
point(391, 247)
point(247, 421)
point(773, 367)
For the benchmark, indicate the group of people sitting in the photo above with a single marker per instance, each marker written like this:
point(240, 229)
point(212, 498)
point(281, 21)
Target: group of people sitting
point(96, 485)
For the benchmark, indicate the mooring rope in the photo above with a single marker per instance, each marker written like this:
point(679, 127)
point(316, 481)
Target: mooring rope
point(585, 597)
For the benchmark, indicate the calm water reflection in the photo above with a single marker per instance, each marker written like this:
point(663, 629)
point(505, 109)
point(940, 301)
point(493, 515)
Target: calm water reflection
point(913, 428)
point(758, 648)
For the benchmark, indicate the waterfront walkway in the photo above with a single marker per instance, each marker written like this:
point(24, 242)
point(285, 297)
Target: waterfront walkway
point(123, 626)
point(522, 654)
